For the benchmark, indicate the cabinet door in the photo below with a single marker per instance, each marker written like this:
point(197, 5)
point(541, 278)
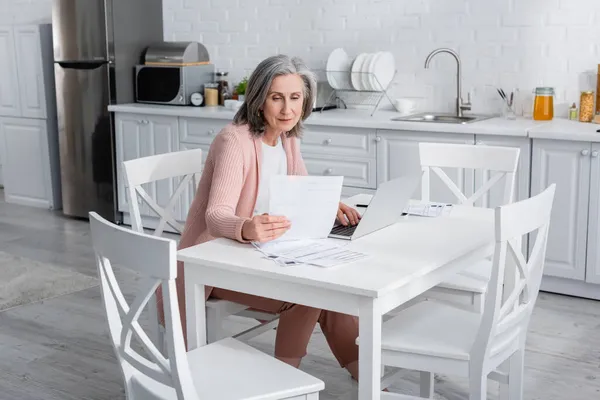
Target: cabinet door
point(9, 86)
point(31, 80)
point(29, 61)
point(141, 136)
point(494, 197)
point(398, 154)
point(568, 165)
point(592, 274)
point(23, 148)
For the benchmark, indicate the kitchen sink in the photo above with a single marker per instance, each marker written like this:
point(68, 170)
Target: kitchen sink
point(442, 118)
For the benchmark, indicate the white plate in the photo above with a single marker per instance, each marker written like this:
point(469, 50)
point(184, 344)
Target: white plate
point(338, 60)
point(365, 77)
point(383, 69)
point(356, 75)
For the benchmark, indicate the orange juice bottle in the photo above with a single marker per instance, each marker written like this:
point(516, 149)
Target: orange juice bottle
point(543, 105)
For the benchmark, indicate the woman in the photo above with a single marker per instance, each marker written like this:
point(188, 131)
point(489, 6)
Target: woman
point(232, 199)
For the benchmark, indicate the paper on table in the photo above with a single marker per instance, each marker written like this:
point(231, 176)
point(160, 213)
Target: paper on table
point(319, 252)
point(310, 203)
point(432, 209)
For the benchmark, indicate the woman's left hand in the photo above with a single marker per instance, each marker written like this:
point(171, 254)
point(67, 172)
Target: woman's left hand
point(347, 214)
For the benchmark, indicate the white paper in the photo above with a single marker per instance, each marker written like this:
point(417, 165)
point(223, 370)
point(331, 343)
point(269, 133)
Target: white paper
point(432, 209)
point(310, 203)
point(320, 252)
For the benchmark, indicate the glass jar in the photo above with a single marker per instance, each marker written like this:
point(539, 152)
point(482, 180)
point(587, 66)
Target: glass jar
point(586, 107)
point(543, 104)
point(223, 87)
point(211, 94)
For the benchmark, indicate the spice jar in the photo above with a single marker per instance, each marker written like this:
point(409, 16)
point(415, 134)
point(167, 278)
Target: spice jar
point(543, 104)
point(211, 94)
point(586, 107)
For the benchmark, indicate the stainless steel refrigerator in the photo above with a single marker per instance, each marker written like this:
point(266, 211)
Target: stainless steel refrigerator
point(97, 44)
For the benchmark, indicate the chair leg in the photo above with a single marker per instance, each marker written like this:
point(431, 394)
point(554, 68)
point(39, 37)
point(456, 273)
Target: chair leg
point(478, 387)
point(514, 389)
point(214, 325)
point(426, 385)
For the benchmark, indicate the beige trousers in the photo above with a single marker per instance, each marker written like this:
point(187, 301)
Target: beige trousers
point(296, 324)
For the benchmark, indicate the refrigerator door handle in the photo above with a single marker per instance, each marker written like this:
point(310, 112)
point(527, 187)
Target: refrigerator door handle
point(82, 64)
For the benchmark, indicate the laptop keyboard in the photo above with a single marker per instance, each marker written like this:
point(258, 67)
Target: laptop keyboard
point(342, 230)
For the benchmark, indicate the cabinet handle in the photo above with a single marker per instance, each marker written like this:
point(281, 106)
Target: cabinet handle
point(585, 152)
point(479, 142)
point(328, 141)
point(211, 132)
point(594, 153)
point(378, 138)
point(328, 171)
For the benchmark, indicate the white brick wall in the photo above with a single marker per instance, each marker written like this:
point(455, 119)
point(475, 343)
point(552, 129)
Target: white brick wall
point(507, 43)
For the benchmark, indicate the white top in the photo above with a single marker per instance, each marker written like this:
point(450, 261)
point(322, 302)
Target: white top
point(274, 162)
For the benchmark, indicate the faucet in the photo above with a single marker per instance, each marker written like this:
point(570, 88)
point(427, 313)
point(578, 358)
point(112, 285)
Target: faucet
point(460, 106)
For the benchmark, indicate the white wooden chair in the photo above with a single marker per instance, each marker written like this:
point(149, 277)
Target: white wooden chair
point(184, 165)
point(438, 338)
point(470, 285)
point(227, 369)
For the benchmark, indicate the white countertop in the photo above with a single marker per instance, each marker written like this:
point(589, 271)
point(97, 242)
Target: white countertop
point(559, 129)
point(563, 129)
point(381, 119)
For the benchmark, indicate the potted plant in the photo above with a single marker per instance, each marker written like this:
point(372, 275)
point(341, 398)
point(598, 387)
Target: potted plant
point(241, 89)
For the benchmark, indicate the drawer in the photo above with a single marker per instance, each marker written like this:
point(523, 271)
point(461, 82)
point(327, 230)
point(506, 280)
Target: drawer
point(200, 130)
point(340, 141)
point(356, 172)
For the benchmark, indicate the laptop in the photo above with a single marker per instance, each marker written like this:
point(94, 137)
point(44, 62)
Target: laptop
point(386, 207)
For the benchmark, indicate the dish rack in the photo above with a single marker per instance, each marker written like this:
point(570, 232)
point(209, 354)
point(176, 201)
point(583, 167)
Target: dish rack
point(345, 93)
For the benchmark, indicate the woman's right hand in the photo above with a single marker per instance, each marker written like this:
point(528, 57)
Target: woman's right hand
point(265, 227)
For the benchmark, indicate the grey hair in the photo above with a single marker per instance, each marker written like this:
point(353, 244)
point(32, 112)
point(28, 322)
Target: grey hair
point(258, 87)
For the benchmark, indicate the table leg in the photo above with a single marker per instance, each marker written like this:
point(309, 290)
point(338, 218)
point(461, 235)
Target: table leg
point(195, 309)
point(369, 350)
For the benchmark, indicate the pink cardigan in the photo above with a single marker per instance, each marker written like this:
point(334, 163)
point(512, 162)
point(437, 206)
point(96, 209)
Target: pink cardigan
point(227, 191)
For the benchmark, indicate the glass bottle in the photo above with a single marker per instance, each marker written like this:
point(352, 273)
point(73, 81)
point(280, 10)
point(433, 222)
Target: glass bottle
point(223, 86)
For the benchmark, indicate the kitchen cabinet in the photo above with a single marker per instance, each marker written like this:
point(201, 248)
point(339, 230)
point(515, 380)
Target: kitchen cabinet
point(140, 136)
point(572, 258)
point(349, 152)
point(592, 274)
point(568, 165)
point(9, 82)
point(28, 108)
point(31, 74)
point(23, 149)
point(398, 154)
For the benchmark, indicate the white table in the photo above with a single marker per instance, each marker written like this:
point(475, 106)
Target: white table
point(407, 259)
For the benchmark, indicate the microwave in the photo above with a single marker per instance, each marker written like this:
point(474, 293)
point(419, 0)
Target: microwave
point(171, 84)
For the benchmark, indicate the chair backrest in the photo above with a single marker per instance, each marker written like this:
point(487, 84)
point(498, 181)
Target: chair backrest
point(154, 259)
point(502, 161)
point(514, 284)
point(185, 164)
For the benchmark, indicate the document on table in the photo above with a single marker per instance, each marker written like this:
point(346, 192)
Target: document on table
point(320, 252)
point(310, 203)
point(430, 209)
